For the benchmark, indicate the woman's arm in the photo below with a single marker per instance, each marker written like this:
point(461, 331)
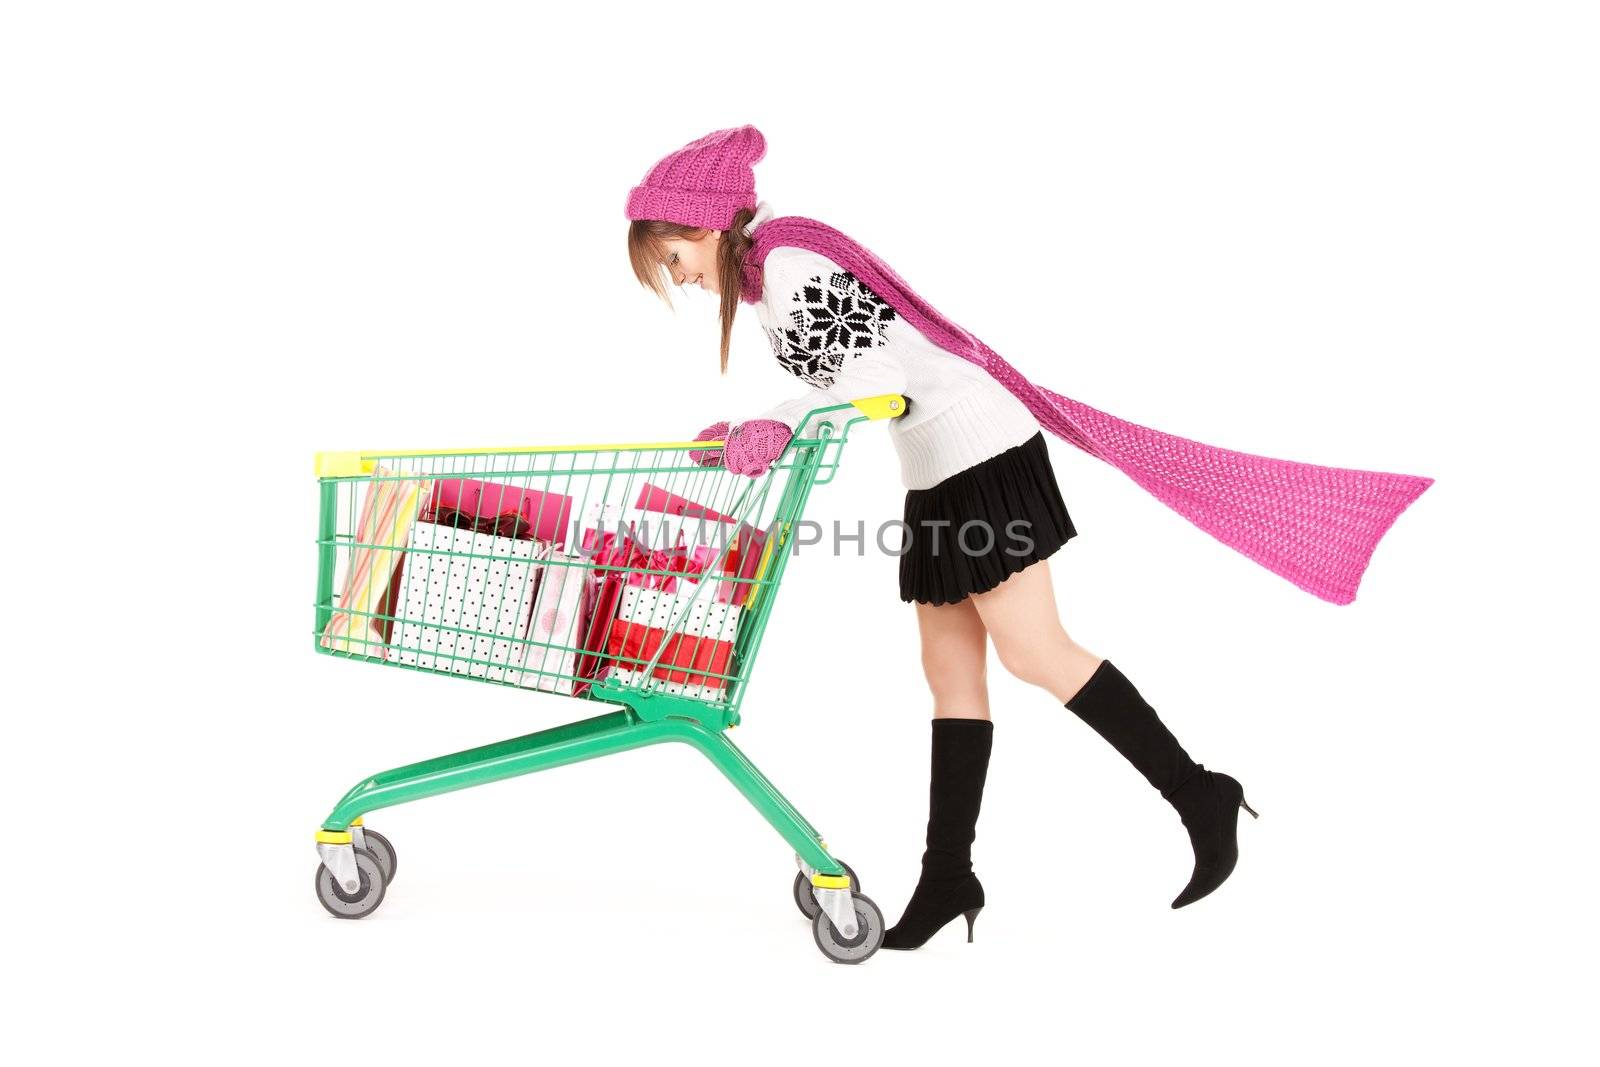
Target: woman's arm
point(862, 375)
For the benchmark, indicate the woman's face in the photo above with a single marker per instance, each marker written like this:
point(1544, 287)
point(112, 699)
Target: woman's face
point(694, 262)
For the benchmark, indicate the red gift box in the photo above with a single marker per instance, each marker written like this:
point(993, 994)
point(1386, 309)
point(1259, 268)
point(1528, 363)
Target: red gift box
point(634, 641)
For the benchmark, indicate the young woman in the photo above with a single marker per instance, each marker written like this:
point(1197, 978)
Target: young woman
point(983, 512)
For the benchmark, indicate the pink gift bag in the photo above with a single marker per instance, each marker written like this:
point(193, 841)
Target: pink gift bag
point(546, 514)
point(717, 530)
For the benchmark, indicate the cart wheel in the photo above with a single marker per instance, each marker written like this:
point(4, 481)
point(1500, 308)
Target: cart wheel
point(869, 933)
point(802, 890)
point(363, 901)
point(383, 852)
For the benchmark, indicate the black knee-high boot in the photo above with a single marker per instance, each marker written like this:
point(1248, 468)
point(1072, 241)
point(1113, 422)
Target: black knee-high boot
point(1208, 802)
point(947, 887)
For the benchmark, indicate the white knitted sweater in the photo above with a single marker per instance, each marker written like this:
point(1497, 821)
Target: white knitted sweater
point(832, 332)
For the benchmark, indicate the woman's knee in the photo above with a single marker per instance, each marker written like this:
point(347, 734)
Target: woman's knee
point(1035, 657)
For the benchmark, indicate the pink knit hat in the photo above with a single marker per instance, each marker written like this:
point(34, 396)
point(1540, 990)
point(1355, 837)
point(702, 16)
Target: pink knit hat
point(704, 183)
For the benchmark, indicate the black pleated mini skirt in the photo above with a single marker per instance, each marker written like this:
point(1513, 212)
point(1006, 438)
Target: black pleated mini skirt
point(979, 526)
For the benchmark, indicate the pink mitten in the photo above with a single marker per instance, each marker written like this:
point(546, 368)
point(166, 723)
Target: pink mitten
point(753, 445)
point(709, 457)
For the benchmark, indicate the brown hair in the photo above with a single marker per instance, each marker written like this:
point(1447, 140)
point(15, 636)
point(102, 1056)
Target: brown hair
point(647, 251)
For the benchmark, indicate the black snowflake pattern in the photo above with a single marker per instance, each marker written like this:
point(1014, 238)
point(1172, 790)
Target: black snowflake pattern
point(837, 319)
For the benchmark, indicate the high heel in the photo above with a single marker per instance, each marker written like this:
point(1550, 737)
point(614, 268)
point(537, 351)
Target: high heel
point(1207, 802)
point(933, 906)
point(947, 886)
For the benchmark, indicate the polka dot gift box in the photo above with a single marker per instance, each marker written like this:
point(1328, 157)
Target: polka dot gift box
point(464, 601)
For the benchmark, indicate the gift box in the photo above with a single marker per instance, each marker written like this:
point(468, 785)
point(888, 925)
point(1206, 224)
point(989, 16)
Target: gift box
point(557, 625)
point(504, 525)
point(459, 579)
point(636, 548)
point(615, 675)
point(544, 515)
point(699, 644)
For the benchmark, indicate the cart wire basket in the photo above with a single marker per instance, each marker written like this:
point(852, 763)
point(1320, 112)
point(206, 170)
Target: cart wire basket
point(636, 577)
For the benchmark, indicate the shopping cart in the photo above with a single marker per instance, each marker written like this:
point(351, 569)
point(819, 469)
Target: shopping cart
point(628, 575)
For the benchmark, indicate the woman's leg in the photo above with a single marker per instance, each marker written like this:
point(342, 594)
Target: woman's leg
point(955, 652)
point(954, 648)
point(1020, 616)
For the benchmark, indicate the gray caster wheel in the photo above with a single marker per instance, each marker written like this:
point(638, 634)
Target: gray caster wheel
point(383, 852)
point(355, 905)
point(868, 939)
point(802, 890)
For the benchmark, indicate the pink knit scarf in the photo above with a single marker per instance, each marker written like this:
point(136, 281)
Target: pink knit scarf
point(1316, 526)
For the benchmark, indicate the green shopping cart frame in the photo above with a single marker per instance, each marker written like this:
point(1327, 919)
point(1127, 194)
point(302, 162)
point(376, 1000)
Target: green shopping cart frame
point(399, 573)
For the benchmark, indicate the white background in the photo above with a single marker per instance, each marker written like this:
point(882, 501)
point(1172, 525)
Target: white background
point(1361, 234)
